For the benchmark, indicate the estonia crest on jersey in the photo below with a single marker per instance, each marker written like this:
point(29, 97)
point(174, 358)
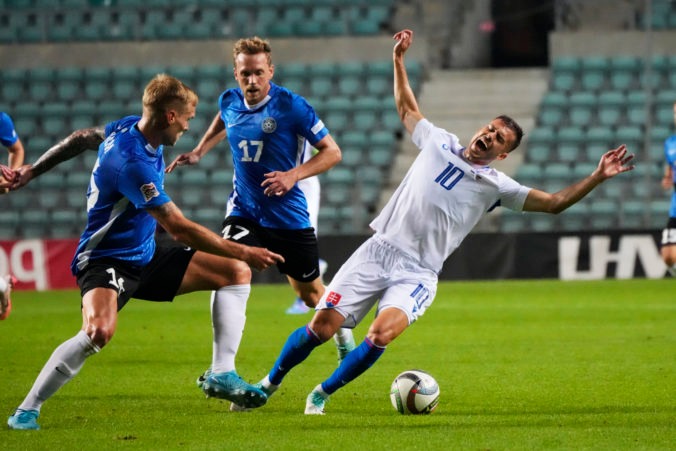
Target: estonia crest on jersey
point(269, 125)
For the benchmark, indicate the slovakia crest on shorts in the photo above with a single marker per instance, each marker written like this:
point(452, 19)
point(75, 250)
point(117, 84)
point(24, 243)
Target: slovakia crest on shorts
point(269, 125)
point(149, 190)
point(332, 299)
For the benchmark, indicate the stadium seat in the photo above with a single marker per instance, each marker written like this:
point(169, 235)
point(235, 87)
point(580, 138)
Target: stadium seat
point(551, 115)
point(539, 152)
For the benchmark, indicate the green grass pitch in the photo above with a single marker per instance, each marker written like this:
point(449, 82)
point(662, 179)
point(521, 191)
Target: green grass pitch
point(521, 365)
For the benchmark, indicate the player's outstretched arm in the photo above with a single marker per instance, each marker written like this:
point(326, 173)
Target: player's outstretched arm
point(214, 134)
point(404, 99)
point(612, 163)
point(183, 230)
point(73, 145)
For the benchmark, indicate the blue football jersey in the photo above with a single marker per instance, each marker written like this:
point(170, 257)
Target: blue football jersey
point(670, 155)
point(8, 134)
point(270, 136)
point(127, 178)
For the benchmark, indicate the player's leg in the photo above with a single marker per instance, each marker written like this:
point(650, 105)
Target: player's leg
point(230, 281)
point(301, 343)
point(177, 270)
point(298, 307)
point(6, 284)
point(410, 292)
point(668, 246)
point(388, 325)
point(99, 314)
point(311, 293)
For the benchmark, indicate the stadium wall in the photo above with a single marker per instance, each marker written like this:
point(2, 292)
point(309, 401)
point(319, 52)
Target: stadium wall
point(44, 264)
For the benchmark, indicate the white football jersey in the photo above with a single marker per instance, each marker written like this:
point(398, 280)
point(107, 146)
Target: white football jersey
point(441, 198)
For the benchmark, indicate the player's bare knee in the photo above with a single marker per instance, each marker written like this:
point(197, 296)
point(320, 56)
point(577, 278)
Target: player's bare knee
point(381, 336)
point(99, 335)
point(240, 273)
point(311, 299)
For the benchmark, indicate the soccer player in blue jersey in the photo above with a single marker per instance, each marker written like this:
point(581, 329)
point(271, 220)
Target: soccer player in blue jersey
point(117, 257)
point(10, 139)
point(446, 191)
point(668, 245)
point(268, 128)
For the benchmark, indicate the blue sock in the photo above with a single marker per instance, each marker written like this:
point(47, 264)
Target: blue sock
point(354, 364)
point(298, 346)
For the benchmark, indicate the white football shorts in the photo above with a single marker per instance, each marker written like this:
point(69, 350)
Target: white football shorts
point(379, 272)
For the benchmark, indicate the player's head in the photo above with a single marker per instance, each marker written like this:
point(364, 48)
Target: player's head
point(168, 105)
point(494, 141)
point(253, 68)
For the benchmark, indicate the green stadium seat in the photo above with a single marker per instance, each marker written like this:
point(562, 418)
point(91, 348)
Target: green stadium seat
point(581, 115)
point(637, 115)
point(593, 80)
point(40, 90)
point(539, 152)
point(12, 91)
point(378, 86)
point(364, 120)
point(609, 115)
point(568, 152)
point(551, 115)
point(622, 80)
point(557, 171)
point(349, 86)
point(566, 64)
point(563, 82)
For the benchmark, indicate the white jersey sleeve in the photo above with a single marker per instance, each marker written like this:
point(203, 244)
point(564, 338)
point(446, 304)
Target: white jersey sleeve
point(441, 198)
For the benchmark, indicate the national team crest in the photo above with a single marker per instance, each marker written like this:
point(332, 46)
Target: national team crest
point(269, 125)
point(149, 190)
point(332, 299)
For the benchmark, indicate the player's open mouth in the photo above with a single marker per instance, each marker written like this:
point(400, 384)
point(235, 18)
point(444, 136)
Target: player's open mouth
point(480, 145)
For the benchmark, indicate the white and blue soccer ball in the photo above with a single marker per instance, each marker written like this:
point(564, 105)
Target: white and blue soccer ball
point(414, 392)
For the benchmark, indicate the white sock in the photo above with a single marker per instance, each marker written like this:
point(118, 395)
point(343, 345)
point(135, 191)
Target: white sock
point(228, 316)
point(63, 365)
point(672, 270)
point(269, 386)
point(343, 336)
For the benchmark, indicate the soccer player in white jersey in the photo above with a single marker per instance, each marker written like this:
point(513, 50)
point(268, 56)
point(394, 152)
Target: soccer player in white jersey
point(117, 257)
point(268, 129)
point(444, 194)
point(668, 244)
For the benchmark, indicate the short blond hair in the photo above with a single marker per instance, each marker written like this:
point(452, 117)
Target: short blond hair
point(252, 46)
point(165, 91)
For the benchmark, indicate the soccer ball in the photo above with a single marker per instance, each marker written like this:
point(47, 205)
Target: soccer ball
point(414, 392)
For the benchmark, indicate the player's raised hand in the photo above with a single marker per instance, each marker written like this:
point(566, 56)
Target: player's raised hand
point(615, 162)
point(404, 40)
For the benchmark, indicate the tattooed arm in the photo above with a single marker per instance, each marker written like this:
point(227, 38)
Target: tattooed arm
point(73, 145)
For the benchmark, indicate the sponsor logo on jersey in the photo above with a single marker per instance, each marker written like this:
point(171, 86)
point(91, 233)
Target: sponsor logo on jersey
point(269, 125)
point(149, 190)
point(332, 299)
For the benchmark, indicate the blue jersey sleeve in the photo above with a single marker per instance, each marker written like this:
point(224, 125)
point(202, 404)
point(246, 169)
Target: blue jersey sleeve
point(140, 183)
point(8, 135)
point(310, 126)
point(125, 122)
